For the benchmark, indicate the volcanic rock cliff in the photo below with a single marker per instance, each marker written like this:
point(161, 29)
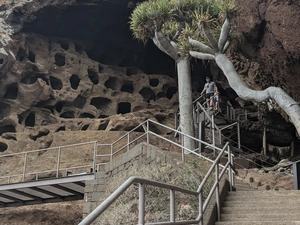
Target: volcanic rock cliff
point(73, 65)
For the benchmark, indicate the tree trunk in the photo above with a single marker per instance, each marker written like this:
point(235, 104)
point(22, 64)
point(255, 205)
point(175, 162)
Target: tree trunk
point(185, 101)
point(284, 101)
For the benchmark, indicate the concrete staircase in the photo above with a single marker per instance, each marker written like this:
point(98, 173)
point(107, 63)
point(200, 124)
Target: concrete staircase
point(261, 208)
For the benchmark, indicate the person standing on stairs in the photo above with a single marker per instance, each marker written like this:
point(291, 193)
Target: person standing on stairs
point(216, 99)
point(209, 88)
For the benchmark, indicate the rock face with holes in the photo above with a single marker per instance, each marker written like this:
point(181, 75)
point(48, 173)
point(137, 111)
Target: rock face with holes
point(81, 69)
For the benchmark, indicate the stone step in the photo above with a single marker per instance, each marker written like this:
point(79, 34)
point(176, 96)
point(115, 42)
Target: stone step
point(288, 222)
point(259, 209)
point(266, 193)
point(261, 217)
point(261, 203)
point(262, 197)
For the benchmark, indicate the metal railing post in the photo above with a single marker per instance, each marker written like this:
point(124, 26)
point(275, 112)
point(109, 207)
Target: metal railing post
point(148, 131)
point(220, 137)
point(95, 156)
point(201, 207)
point(128, 141)
point(58, 161)
point(230, 168)
point(239, 135)
point(25, 164)
point(213, 133)
point(218, 193)
point(141, 203)
point(172, 205)
point(111, 152)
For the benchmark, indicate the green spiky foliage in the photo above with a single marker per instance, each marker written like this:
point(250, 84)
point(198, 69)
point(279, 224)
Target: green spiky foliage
point(179, 19)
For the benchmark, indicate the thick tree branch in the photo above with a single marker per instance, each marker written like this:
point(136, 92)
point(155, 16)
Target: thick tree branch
point(224, 34)
point(284, 101)
point(202, 47)
point(211, 39)
point(202, 56)
point(164, 45)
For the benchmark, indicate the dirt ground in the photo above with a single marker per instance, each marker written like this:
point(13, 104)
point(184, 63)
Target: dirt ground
point(69, 213)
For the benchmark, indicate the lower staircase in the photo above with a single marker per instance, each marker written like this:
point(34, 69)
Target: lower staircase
point(247, 206)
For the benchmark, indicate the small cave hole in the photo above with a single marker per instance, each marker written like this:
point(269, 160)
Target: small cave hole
point(127, 87)
point(21, 55)
point(61, 128)
point(5, 110)
point(112, 83)
point(1, 61)
point(29, 78)
point(124, 107)
point(148, 94)
point(60, 60)
point(67, 115)
point(7, 129)
point(100, 68)
point(55, 83)
point(102, 116)
point(171, 91)
point(132, 71)
point(86, 115)
point(101, 103)
point(31, 57)
point(85, 127)
point(93, 76)
point(79, 102)
point(3, 147)
point(11, 92)
point(30, 120)
point(154, 82)
point(103, 125)
point(59, 106)
point(78, 48)
point(161, 94)
point(64, 45)
point(74, 81)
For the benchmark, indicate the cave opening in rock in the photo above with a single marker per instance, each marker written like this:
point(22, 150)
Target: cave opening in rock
point(7, 129)
point(31, 57)
point(74, 81)
point(154, 82)
point(161, 94)
point(148, 94)
point(171, 92)
point(11, 92)
point(59, 106)
point(127, 87)
point(31, 78)
point(55, 83)
point(103, 125)
point(101, 103)
point(3, 146)
point(93, 76)
point(86, 115)
point(85, 127)
point(67, 115)
point(112, 83)
point(1, 61)
point(21, 55)
point(124, 107)
point(5, 110)
point(79, 102)
point(60, 59)
point(30, 120)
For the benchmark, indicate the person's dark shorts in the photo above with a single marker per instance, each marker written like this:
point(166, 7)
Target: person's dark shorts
point(209, 95)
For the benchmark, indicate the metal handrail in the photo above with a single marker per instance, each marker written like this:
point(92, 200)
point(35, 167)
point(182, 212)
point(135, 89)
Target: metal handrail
point(143, 182)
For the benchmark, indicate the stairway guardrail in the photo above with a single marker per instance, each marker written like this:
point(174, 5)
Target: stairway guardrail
point(203, 204)
point(114, 151)
point(53, 158)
